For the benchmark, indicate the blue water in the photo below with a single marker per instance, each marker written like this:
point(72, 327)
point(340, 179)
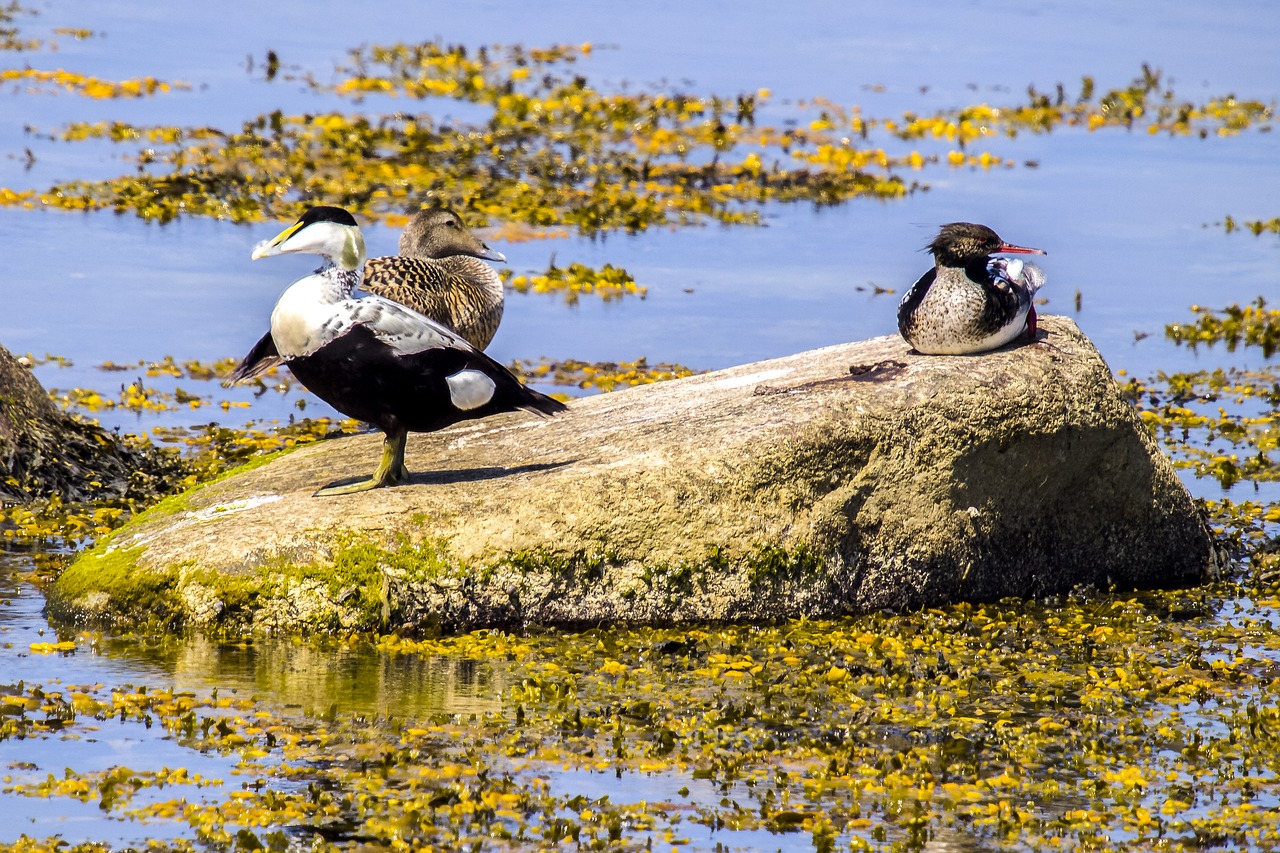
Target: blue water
point(1128, 218)
point(1129, 221)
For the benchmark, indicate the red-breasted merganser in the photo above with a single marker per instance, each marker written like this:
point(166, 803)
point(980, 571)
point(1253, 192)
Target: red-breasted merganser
point(373, 359)
point(970, 302)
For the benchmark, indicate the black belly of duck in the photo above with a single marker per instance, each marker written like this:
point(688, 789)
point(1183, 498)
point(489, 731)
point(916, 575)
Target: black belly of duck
point(365, 379)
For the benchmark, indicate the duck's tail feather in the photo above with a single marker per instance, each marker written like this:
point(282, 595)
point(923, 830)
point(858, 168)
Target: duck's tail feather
point(260, 359)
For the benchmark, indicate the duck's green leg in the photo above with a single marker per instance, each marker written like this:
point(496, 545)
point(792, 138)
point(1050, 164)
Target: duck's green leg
point(390, 470)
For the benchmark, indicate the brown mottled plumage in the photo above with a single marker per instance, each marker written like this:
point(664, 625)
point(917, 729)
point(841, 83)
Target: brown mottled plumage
point(374, 359)
point(441, 272)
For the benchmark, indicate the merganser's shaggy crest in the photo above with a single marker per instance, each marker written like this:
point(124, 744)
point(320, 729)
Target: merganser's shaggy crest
point(441, 272)
point(970, 302)
point(371, 358)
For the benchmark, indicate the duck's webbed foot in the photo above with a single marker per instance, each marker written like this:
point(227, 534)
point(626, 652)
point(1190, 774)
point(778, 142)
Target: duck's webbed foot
point(391, 469)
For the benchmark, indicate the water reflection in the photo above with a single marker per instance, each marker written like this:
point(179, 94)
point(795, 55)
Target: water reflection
point(355, 680)
point(1138, 245)
point(310, 676)
point(290, 676)
point(948, 840)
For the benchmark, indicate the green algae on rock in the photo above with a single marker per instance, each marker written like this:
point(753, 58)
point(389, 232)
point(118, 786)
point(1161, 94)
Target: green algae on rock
point(847, 479)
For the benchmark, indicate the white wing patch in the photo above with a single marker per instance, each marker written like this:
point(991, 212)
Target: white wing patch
point(470, 389)
point(1012, 268)
point(1033, 278)
point(1017, 271)
point(400, 328)
point(314, 311)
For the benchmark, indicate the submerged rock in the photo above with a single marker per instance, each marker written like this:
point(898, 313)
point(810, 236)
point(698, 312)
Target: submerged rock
point(45, 452)
point(847, 479)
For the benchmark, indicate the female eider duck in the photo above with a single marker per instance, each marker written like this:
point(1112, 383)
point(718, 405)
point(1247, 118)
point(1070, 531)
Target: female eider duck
point(970, 302)
point(441, 272)
point(373, 359)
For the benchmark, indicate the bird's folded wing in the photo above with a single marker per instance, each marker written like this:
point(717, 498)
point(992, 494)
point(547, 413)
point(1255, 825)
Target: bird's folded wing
point(1015, 271)
point(400, 328)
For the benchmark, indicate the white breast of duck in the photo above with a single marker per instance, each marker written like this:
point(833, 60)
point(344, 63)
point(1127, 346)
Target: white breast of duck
point(310, 312)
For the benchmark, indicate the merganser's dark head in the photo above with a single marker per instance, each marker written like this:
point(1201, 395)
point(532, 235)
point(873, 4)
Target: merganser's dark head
point(959, 244)
point(323, 230)
point(437, 232)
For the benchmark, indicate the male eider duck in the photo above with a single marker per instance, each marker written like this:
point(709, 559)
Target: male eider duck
point(970, 302)
point(441, 272)
point(373, 359)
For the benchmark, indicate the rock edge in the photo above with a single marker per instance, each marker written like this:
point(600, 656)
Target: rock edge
point(842, 480)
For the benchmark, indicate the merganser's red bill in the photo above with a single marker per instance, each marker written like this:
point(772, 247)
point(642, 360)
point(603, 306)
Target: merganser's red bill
point(971, 302)
point(1012, 249)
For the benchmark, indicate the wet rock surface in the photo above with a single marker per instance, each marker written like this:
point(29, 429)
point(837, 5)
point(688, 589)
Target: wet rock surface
point(846, 479)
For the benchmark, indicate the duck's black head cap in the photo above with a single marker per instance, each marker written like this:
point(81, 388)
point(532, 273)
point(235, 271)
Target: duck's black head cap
point(327, 213)
point(960, 243)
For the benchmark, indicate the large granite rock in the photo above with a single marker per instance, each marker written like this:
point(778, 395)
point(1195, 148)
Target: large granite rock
point(846, 479)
